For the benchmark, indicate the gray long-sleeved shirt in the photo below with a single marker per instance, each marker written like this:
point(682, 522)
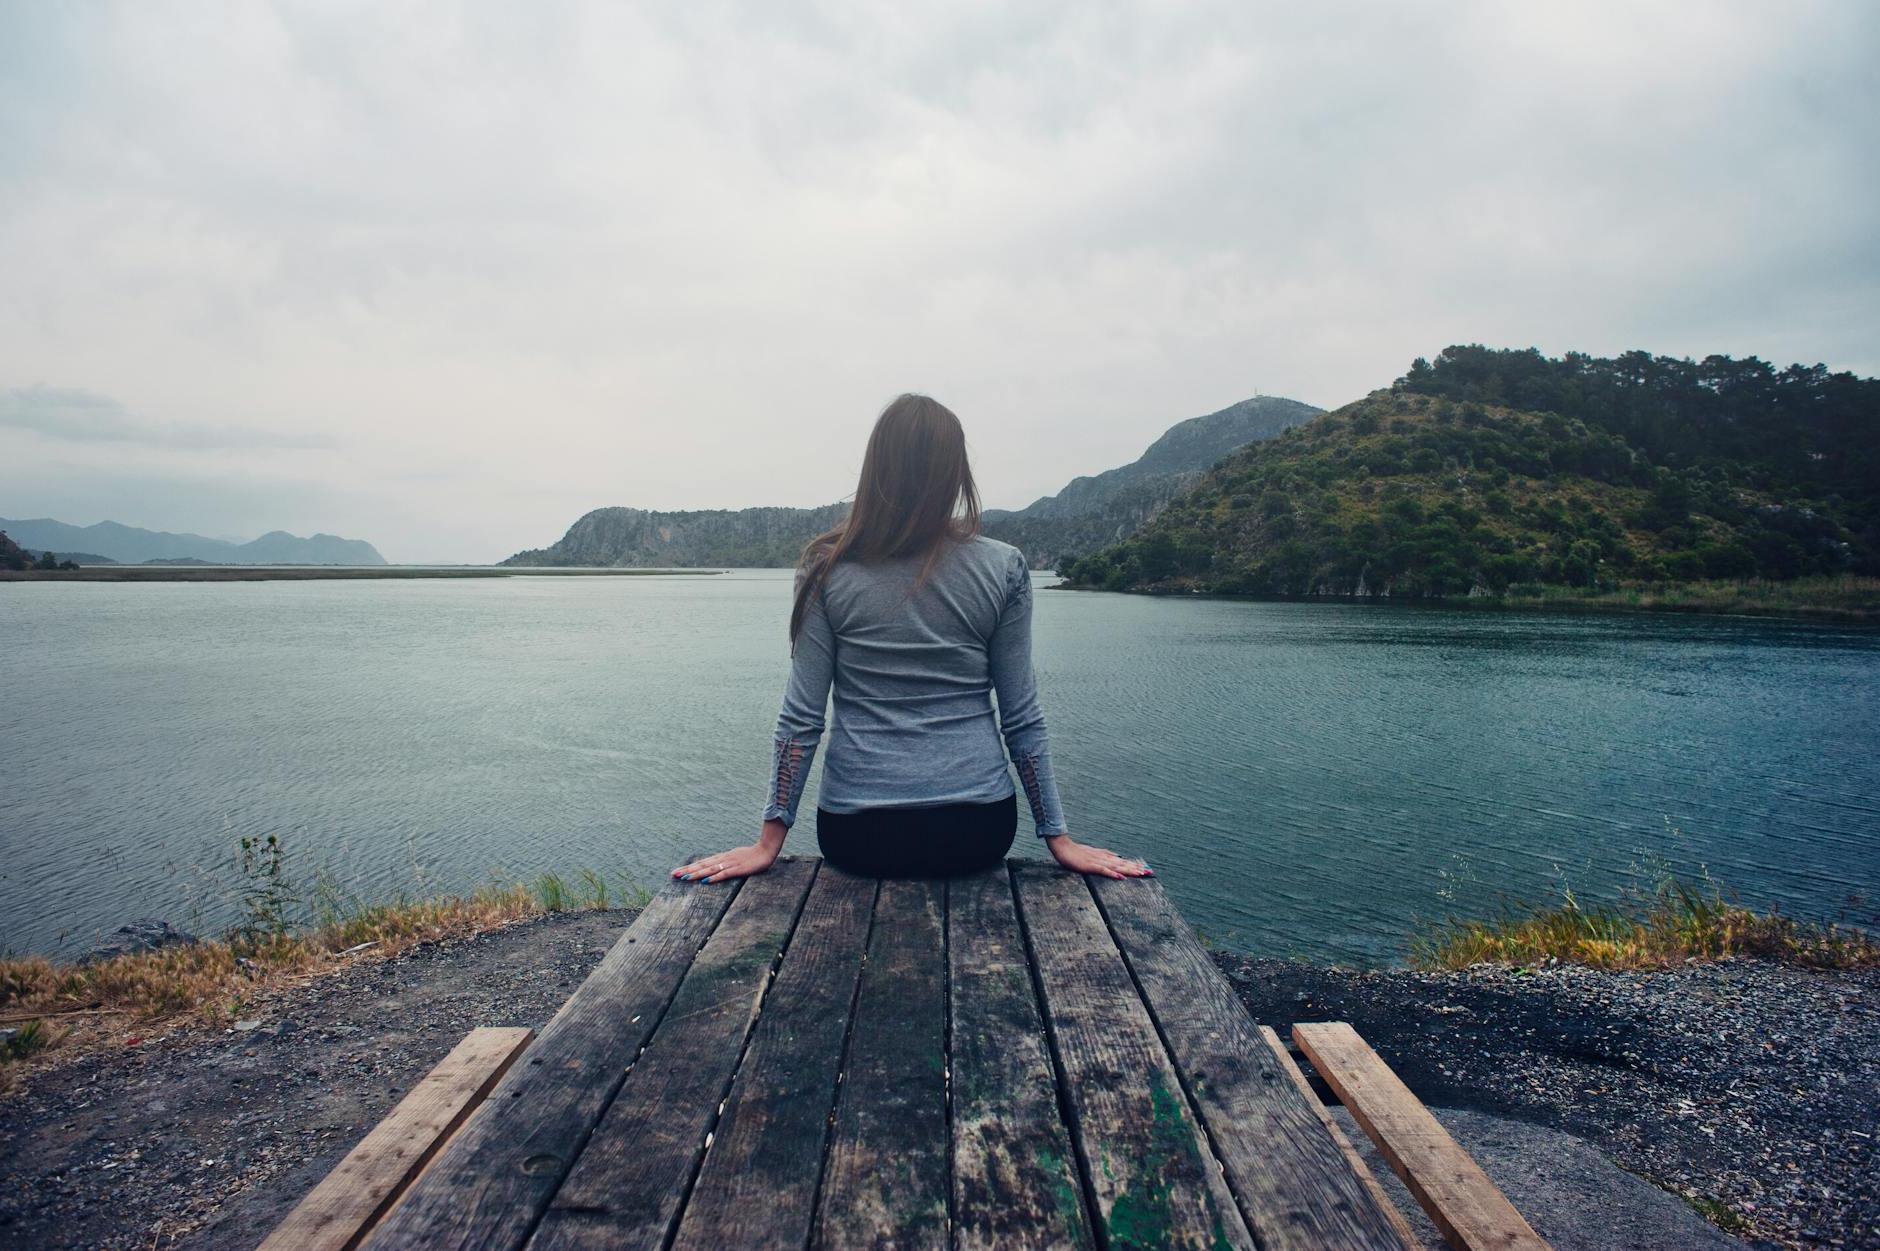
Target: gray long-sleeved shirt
point(914, 672)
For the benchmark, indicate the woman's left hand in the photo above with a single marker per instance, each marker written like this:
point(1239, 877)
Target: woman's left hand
point(1081, 858)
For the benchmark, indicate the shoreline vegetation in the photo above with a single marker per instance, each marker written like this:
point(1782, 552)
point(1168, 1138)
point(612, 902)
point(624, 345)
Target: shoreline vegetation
point(280, 942)
point(1847, 598)
point(284, 941)
point(1675, 923)
point(309, 573)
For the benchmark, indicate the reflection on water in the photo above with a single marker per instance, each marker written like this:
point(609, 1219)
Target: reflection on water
point(1306, 779)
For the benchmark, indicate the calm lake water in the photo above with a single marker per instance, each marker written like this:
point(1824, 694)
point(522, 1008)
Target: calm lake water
point(1307, 780)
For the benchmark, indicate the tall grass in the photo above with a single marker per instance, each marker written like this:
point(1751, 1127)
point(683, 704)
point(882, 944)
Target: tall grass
point(552, 893)
point(1677, 921)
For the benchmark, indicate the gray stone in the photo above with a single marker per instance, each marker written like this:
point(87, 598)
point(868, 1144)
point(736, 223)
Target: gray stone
point(144, 934)
point(1574, 1197)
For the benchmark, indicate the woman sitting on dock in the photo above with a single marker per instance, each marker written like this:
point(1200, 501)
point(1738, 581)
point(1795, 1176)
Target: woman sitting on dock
point(916, 619)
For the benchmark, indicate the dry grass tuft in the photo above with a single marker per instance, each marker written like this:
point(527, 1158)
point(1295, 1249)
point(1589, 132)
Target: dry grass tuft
point(209, 981)
point(1677, 922)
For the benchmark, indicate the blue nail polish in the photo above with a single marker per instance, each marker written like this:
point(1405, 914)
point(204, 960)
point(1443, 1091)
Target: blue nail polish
point(706, 878)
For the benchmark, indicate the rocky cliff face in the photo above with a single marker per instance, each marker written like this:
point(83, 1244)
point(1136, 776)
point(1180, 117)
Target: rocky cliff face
point(1093, 512)
point(634, 538)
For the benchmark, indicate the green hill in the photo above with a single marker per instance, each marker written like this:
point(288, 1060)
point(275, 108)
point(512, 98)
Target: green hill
point(1496, 470)
point(1104, 508)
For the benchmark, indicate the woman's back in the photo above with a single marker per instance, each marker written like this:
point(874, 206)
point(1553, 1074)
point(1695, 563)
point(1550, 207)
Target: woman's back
point(915, 622)
point(913, 663)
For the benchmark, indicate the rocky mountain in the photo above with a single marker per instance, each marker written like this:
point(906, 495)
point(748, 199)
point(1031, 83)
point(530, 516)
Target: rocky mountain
point(1489, 469)
point(1096, 511)
point(631, 538)
point(133, 545)
point(1083, 516)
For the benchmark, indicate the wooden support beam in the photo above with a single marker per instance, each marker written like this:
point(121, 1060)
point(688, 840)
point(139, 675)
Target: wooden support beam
point(1472, 1214)
point(337, 1213)
point(1284, 1059)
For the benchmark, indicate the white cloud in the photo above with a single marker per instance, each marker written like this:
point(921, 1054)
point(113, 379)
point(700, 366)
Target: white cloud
point(518, 261)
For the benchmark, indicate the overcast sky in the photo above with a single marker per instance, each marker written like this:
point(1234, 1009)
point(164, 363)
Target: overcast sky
point(444, 277)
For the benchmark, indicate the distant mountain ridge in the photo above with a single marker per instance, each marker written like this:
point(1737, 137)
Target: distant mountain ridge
point(1087, 514)
point(639, 538)
point(1096, 511)
point(135, 545)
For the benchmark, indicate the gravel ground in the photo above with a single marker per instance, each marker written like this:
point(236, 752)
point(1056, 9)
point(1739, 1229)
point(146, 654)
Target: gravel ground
point(207, 1139)
point(1750, 1088)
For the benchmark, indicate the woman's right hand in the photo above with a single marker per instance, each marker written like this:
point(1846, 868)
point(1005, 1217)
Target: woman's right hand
point(1079, 858)
point(739, 861)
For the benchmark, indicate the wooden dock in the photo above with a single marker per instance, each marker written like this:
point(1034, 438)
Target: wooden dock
point(1021, 1058)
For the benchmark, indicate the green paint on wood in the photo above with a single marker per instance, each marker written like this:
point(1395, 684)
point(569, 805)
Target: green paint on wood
point(1064, 1196)
point(1139, 1216)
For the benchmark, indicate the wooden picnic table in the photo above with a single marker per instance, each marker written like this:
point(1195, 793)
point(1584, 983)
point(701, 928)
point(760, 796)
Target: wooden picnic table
point(1020, 1058)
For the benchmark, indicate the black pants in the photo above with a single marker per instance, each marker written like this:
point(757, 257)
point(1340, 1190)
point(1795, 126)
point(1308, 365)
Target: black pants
point(940, 841)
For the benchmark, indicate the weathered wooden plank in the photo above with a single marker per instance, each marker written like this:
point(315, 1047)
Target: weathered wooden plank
point(1154, 1180)
point(1293, 1185)
point(1450, 1185)
point(337, 1213)
point(1015, 1182)
point(627, 1188)
point(1284, 1058)
point(486, 1189)
point(885, 1182)
point(757, 1185)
